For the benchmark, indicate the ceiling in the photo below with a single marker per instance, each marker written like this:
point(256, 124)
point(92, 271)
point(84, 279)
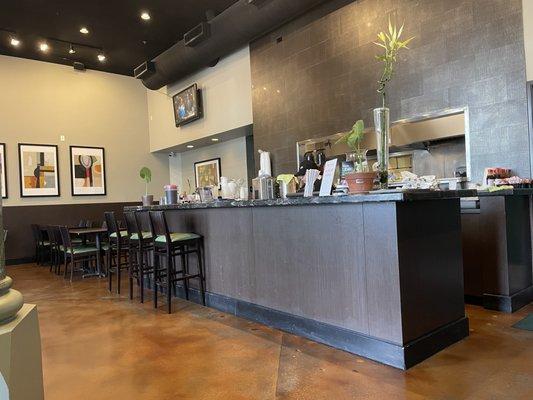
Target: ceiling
point(114, 26)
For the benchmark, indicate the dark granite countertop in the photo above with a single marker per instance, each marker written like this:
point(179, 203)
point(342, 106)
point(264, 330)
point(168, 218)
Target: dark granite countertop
point(506, 192)
point(375, 196)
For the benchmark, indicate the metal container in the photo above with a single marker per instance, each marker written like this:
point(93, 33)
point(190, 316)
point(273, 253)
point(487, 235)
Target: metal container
point(263, 188)
point(171, 194)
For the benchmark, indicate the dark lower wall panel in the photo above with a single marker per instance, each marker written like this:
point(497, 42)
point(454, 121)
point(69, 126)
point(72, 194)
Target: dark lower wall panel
point(17, 220)
point(322, 75)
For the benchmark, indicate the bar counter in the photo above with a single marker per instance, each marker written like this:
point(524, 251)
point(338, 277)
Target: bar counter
point(379, 275)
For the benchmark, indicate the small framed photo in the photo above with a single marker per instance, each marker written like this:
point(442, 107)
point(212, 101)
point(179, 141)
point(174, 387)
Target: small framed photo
point(39, 170)
point(87, 171)
point(207, 173)
point(188, 105)
point(3, 173)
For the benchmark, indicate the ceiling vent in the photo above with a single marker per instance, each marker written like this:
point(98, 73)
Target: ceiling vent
point(229, 31)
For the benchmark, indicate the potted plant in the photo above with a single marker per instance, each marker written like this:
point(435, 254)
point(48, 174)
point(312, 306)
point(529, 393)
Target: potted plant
point(146, 175)
point(392, 45)
point(362, 179)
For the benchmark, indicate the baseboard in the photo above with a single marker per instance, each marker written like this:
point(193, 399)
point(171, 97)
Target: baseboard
point(508, 304)
point(402, 357)
point(475, 300)
point(19, 261)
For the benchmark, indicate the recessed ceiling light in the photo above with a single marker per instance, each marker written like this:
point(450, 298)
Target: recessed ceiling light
point(214, 139)
point(101, 57)
point(84, 30)
point(43, 46)
point(71, 50)
point(14, 41)
point(190, 146)
point(145, 16)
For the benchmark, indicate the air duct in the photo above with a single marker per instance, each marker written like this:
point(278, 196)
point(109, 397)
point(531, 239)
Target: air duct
point(237, 26)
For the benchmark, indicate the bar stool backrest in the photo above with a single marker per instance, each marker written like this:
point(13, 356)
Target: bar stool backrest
point(132, 224)
point(158, 225)
point(65, 237)
point(111, 223)
point(88, 224)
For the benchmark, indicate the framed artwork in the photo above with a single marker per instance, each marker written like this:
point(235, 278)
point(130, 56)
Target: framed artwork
point(207, 173)
point(39, 170)
point(87, 171)
point(188, 105)
point(3, 173)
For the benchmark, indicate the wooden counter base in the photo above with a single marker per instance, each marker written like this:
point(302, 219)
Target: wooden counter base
point(380, 279)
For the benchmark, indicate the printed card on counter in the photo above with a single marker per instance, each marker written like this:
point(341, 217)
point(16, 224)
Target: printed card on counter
point(311, 176)
point(327, 177)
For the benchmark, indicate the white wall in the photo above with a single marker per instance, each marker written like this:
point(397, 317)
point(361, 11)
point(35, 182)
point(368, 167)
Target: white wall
point(232, 156)
point(527, 12)
point(40, 101)
point(227, 96)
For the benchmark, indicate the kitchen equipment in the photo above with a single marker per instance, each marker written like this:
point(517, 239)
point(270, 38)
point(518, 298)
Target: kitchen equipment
point(171, 194)
point(263, 188)
point(321, 159)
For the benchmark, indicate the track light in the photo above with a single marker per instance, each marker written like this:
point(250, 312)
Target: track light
point(84, 30)
point(15, 42)
point(101, 57)
point(145, 16)
point(43, 46)
point(71, 50)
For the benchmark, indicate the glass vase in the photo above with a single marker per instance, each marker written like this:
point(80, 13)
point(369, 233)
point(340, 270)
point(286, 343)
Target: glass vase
point(382, 125)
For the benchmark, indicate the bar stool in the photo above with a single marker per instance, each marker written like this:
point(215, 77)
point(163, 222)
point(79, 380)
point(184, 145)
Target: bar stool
point(117, 251)
point(41, 244)
point(140, 246)
point(168, 245)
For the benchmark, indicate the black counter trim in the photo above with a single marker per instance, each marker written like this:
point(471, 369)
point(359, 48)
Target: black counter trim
point(395, 355)
point(508, 304)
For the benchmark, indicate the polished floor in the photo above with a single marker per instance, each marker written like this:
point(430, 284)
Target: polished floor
point(102, 346)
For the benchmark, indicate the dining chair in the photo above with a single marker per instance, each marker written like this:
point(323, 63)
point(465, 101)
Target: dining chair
point(75, 254)
point(41, 245)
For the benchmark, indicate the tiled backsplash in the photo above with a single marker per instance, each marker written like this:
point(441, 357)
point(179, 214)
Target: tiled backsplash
point(317, 75)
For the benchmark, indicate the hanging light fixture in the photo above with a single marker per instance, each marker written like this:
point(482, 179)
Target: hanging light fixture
point(71, 50)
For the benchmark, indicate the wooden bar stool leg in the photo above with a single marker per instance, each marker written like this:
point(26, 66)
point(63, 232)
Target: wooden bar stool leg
point(185, 266)
point(118, 268)
point(141, 272)
point(130, 273)
point(170, 276)
point(157, 262)
point(110, 268)
point(199, 253)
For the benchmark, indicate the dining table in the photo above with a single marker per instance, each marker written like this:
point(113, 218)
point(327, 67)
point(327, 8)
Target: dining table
point(83, 233)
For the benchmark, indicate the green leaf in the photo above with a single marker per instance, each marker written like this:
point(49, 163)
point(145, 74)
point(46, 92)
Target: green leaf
point(146, 174)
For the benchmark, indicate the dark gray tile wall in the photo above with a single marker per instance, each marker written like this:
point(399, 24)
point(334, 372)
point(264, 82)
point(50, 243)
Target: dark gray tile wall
point(322, 76)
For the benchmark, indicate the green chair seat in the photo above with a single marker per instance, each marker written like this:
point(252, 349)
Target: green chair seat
point(178, 237)
point(45, 243)
point(122, 234)
point(81, 249)
point(145, 235)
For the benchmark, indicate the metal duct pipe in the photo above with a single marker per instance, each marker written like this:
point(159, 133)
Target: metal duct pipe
point(237, 26)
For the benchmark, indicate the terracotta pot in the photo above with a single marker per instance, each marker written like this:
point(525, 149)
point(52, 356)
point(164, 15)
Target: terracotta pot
point(360, 182)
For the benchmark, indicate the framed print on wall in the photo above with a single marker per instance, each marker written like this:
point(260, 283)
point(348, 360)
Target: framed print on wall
point(207, 173)
point(3, 173)
point(39, 170)
point(188, 105)
point(87, 171)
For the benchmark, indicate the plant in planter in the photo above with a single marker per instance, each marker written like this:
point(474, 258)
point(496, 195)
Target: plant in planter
point(146, 175)
point(361, 180)
point(392, 45)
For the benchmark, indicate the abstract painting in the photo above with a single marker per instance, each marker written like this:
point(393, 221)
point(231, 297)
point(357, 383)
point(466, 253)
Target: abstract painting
point(87, 168)
point(39, 170)
point(3, 175)
point(188, 105)
point(207, 173)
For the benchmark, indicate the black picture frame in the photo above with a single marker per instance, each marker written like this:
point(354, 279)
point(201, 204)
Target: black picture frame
point(4, 171)
point(185, 96)
point(211, 160)
point(73, 174)
point(21, 172)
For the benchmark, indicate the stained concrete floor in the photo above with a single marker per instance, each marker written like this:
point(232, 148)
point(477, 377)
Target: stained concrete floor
point(102, 346)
